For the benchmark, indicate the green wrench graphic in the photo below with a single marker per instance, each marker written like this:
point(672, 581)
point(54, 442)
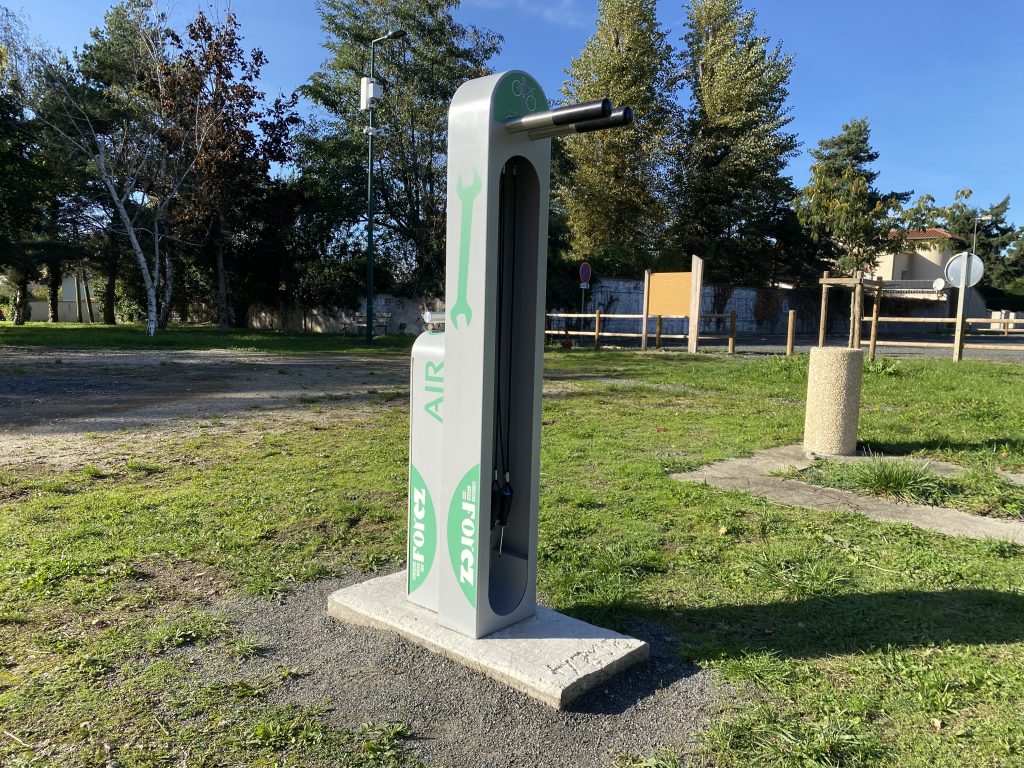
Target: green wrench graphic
point(467, 194)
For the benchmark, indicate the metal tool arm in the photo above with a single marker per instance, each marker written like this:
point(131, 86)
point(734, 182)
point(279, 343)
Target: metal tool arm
point(585, 117)
point(619, 118)
point(567, 115)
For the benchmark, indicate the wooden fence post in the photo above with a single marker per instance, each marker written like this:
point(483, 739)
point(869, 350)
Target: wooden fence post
point(657, 332)
point(647, 303)
point(961, 320)
point(791, 333)
point(696, 288)
point(732, 332)
point(823, 323)
point(858, 310)
point(875, 311)
point(597, 329)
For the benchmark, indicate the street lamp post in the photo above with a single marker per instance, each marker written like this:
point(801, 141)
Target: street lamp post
point(370, 95)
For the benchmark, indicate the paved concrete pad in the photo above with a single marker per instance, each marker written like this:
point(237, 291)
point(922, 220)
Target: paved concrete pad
point(550, 657)
point(751, 475)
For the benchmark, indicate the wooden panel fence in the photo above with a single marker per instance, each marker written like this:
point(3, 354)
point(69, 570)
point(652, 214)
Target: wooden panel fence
point(598, 332)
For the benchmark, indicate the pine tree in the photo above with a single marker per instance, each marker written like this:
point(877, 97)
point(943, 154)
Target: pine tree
point(841, 206)
point(732, 199)
point(420, 73)
point(614, 191)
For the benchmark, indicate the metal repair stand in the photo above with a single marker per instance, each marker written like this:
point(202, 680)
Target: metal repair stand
point(476, 410)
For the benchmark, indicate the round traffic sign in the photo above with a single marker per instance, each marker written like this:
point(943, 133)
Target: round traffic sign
point(585, 272)
point(955, 270)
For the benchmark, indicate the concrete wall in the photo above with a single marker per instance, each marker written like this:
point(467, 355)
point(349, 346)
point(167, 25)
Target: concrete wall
point(67, 311)
point(758, 311)
point(405, 317)
point(67, 307)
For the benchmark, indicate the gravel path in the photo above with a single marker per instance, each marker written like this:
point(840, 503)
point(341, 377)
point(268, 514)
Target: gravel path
point(459, 718)
point(63, 391)
point(64, 409)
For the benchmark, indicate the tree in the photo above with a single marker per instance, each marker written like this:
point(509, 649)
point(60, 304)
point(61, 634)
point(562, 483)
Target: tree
point(998, 240)
point(21, 190)
point(733, 201)
point(213, 72)
point(420, 73)
point(112, 104)
point(841, 206)
point(613, 192)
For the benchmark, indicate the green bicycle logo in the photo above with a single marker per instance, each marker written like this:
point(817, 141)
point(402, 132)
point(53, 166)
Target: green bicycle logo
point(525, 94)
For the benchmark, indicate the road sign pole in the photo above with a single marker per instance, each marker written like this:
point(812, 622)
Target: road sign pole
point(964, 270)
point(961, 313)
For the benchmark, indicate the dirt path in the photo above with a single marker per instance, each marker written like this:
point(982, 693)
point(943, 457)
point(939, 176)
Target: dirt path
point(751, 475)
point(460, 718)
point(63, 409)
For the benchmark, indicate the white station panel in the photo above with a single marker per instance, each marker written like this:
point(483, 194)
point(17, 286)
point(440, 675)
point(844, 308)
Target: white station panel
point(426, 419)
point(486, 373)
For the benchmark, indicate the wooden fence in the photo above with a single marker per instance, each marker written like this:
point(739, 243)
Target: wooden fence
point(1007, 324)
point(861, 285)
point(597, 332)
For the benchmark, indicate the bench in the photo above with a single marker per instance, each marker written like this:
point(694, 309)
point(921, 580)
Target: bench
point(380, 320)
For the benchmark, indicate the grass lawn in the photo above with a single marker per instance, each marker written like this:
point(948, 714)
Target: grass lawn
point(132, 337)
point(853, 643)
point(979, 491)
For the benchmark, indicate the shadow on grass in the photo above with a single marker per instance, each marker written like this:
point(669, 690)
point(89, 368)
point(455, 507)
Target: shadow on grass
point(818, 627)
point(75, 336)
point(906, 448)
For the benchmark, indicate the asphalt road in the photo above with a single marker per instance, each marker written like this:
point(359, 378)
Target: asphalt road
point(1012, 347)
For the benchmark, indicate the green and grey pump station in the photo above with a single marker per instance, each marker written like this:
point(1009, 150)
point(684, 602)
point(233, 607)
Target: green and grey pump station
point(474, 445)
point(476, 389)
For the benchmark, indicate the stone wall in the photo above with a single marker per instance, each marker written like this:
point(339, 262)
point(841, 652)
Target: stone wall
point(405, 317)
point(759, 312)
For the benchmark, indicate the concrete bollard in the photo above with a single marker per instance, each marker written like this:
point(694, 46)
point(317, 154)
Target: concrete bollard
point(833, 401)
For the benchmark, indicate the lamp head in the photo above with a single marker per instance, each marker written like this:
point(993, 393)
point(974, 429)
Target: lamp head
point(395, 34)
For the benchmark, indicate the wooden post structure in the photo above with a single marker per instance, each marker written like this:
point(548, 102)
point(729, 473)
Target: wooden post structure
point(696, 288)
point(78, 296)
point(88, 296)
point(961, 318)
point(858, 309)
point(732, 332)
point(647, 303)
point(875, 310)
point(657, 332)
point(823, 323)
point(791, 333)
point(597, 329)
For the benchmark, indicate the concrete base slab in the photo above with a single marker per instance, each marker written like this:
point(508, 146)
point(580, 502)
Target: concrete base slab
point(550, 657)
point(751, 475)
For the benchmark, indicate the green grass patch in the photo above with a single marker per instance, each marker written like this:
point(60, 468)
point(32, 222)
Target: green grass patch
point(980, 491)
point(851, 643)
point(192, 337)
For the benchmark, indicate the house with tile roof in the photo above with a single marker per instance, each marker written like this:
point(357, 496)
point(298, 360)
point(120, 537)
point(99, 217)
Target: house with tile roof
point(924, 258)
point(913, 271)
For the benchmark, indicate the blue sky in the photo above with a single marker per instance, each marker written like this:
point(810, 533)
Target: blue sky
point(942, 82)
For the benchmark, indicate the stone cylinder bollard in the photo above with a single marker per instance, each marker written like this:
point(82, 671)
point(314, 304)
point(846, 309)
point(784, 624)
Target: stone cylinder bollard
point(833, 401)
